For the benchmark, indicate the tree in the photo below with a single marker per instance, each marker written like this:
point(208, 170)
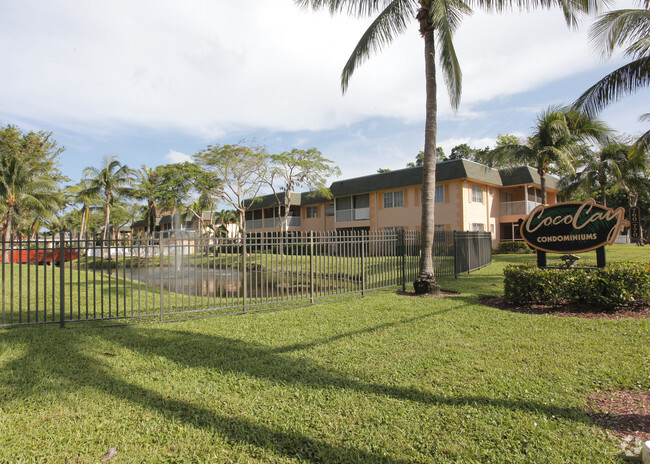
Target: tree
point(557, 140)
point(437, 20)
point(145, 184)
point(111, 180)
point(29, 177)
point(83, 194)
point(294, 169)
point(612, 30)
point(598, 169)
point(241, 169)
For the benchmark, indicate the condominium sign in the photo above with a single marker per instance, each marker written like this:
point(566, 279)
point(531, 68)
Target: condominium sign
point(572, 227)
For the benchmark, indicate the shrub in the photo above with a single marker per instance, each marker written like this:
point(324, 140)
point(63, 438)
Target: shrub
point(513, 247)
point(620, 285)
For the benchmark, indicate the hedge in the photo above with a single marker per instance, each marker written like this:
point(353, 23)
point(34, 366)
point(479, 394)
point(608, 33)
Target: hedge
point(621, 285)
point(513, 247)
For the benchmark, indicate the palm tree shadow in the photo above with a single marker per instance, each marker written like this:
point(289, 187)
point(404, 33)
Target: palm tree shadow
point(75, 369)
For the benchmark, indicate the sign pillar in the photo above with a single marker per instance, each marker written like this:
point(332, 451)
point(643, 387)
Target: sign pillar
point(600, 256)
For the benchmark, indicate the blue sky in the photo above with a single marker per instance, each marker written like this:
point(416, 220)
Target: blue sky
point(155, 81)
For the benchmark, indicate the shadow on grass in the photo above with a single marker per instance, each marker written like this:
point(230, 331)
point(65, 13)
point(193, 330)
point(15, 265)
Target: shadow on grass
point(64, 358)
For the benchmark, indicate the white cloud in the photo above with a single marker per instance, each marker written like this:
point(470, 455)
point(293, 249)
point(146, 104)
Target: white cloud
point(177, 157)
point(208, 68)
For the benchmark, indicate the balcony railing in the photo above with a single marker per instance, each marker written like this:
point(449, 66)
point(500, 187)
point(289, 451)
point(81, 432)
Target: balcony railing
point(271, 223)
point(517, 208)
point(356, 214)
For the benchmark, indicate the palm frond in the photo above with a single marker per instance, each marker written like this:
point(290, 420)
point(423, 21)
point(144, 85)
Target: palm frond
point(445, 18)
point(616, 28)
point(621, 82)
point(393, 20)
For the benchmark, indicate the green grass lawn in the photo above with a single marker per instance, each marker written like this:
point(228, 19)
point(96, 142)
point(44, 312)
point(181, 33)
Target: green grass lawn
point(387, 378)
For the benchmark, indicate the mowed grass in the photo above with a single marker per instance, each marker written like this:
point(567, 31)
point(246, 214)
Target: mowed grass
point(387, 378)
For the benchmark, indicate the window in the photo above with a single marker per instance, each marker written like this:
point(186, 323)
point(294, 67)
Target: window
point(329, 210)
point(492, 229)
point(477, 193)
point(439, 228)
point(393, 199)
point(477, 227)
point(312, 212)
point(440, 193)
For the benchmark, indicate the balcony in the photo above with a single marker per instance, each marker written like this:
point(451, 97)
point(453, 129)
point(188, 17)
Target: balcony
point(517, 208)
point(356, 214)
point(271, 223)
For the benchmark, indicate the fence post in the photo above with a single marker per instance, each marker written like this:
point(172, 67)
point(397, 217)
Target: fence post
point(244, 279)
point(311, 266)
point(61, 278)
point(455, 254)
point(162, 297)
point(402, 241)
point(363, 261)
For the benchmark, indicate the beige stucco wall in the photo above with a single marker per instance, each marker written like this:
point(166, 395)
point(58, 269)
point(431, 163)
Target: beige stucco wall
point(456, 212)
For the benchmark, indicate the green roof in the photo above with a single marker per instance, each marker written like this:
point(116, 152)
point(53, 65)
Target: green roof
point(527, 175)
point(445, 170)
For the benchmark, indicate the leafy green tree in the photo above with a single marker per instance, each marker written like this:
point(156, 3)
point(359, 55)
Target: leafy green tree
point(175, 184)
point(29, 178)
point(558, 139)
point(294, 169)
point(438, 20)
point(110, 181)
point(241, 168)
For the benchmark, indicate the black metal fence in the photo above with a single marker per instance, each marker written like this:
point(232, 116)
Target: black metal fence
point(72, 280)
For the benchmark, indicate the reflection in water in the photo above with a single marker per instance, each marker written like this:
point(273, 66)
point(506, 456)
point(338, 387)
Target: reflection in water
point(198, 281)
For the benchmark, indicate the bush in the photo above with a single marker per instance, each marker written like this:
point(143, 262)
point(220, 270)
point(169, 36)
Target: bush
point(621, 285)
point(513, 247)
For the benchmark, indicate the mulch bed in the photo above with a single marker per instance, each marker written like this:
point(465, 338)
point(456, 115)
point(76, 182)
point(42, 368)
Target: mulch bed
point(626, 414)
point(569, 310)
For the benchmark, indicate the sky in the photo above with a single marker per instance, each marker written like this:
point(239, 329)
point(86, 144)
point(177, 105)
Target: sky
point(154, 82)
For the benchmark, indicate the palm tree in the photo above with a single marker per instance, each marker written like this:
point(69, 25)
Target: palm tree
point(110, 181)
point(25, 190)
point(615, 29)
point(557, 141)
point(83, 194)
point(146, 188)
point(597, 170)
point(438, 19)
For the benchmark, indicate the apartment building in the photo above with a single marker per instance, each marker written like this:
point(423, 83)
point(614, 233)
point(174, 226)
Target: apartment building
point(468, 197)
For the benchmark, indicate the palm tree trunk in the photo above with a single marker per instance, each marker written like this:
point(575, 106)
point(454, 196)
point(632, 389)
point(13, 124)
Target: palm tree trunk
point(84, 219)
point(426, 280)
point(542, 183)
point(7, 232)
point(107, 217)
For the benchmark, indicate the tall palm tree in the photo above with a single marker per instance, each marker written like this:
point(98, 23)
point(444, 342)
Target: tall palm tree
point(83, 194)
point(111, 181)
point(598, 169)
point(557, 141)
point(438, 20)
point(146, 188)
